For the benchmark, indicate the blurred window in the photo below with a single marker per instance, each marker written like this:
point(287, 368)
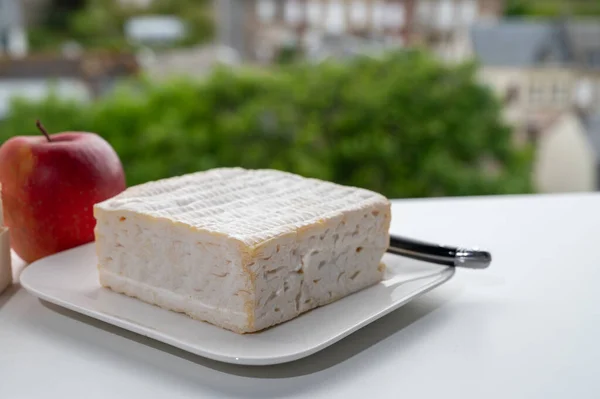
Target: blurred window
point(314, 11)
point(584, 92)
point(536, 93)
point(293, 12)
point(468, 11)
point(559, 93)
point(359, 13)
point(336, 17)
point(265, 10)
point(425, 10)
point(394, 15)
point(445, 13)
point(378, 15)
point(154, 29)
point(594, 58)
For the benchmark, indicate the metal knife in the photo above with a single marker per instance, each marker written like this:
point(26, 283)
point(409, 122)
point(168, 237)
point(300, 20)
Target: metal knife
point(470, 258)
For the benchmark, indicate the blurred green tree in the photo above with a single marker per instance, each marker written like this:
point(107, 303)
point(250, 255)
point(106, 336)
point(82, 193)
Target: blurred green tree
point(551, 8)
point(403, 124)
point(100, 23)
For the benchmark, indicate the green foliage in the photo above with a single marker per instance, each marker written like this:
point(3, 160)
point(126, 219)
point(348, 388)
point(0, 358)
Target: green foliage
point(99, 24)
point(196, 14)
point(517, 8)
point(288, 54)
point(551, 8)
point(403, 125)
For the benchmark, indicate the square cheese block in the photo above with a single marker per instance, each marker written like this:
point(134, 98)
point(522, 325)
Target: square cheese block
point(241, 249)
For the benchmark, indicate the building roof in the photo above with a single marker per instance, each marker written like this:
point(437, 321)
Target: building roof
point(585, 41)
point(509, 43)
point(526, 43)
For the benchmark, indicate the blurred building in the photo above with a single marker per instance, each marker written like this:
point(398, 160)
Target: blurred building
point(13, 34)
point(443, 26)
point(540, 69)
point(257, 29)
point(547, 73)
point(154, 30)
point(80, 78)
point(194, 62)
point(567, 155)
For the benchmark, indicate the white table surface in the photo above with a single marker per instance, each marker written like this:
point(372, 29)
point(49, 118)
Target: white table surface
point(527, 327)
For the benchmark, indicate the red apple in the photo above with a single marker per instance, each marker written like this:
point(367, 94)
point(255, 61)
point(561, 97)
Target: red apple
point(49, 186)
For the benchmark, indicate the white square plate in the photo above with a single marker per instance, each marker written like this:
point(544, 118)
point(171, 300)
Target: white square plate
point(69, 279)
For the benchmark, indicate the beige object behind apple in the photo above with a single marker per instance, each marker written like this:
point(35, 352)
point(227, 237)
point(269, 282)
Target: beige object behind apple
point(5, 258)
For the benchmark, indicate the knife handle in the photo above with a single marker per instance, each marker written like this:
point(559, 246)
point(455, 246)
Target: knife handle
point(470, 258)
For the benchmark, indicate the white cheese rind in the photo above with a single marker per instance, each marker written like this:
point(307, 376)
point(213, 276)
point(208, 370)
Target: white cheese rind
point(241, 249)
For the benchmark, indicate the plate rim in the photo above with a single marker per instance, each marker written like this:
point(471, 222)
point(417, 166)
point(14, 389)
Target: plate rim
point(444, 276)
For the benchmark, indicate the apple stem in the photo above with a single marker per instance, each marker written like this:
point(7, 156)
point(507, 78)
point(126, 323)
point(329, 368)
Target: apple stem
point(43, 130)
